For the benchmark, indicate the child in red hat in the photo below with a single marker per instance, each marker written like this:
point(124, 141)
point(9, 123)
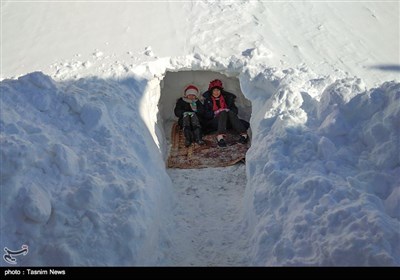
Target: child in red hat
point(221, 113)
point(190, 110)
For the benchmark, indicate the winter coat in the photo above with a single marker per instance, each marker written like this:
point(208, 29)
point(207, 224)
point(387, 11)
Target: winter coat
point(208, 103)
point(182, 106)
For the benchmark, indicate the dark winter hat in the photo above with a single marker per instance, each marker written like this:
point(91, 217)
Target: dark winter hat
point(215, 84)
point(191, 89)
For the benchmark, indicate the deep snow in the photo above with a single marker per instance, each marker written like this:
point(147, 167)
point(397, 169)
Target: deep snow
point(83, 142)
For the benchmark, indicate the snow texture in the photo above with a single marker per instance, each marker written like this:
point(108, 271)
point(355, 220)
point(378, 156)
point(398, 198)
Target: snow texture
point(86, 112)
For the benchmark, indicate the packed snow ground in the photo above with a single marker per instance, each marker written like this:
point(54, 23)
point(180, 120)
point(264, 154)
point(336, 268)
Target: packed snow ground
point(83, 142)
point(207, 216)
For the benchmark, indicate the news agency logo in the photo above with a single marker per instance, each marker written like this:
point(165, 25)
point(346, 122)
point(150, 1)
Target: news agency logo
point(10, 254)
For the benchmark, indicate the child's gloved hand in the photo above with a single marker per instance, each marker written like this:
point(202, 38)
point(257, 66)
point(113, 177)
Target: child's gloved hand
point(216, 113)
point(188, 114)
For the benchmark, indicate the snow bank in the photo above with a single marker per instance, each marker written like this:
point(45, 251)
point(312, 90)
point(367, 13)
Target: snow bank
point(78, 167)
point(323, 184)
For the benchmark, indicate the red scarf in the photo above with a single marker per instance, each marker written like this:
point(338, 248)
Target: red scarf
point(222, 104)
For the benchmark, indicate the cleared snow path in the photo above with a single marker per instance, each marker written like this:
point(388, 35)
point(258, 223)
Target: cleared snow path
point(207, 217)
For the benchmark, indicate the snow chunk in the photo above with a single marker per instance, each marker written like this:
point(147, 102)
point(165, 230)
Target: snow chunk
point(148, 51)
point(259, 52)
point(339, 93)
point(98, 54)
point(15, 156)
point(91, 115)
point(392, 203)
point(66, 160)
point(36, 204)
point(38, 80)
point(334, 124)
point(326, 148)
point(59, 255)
point(41, 87)
point(86, 195)
point(387, 155)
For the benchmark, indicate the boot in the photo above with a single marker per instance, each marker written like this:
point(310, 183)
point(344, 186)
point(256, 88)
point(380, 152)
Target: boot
point(221, 141)
point(198, 136)
point(244, 138)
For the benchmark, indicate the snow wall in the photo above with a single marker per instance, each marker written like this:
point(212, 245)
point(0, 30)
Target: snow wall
point(323, 185)
point(83, 179)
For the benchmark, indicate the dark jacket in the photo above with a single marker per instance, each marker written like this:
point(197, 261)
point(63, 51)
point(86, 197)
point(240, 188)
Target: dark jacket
point(208, 104)
point(183, 106)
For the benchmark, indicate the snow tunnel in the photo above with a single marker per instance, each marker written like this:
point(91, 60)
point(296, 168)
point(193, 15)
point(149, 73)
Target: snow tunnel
point(172, 87)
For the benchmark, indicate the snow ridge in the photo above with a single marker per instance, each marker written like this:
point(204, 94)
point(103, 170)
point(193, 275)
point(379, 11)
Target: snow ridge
point(77, 172)
point(322, 174)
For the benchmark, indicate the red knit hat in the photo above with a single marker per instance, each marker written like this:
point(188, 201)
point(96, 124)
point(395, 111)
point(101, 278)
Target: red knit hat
point(215, 84)
point(191, 89)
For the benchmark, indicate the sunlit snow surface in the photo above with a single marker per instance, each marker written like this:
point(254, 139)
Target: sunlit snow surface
point(84, 134)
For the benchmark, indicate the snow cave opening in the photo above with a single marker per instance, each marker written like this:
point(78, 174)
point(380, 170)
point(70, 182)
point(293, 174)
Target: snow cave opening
point(172, 87)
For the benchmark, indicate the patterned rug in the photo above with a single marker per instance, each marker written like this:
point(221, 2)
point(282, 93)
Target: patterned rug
point(202, 156)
